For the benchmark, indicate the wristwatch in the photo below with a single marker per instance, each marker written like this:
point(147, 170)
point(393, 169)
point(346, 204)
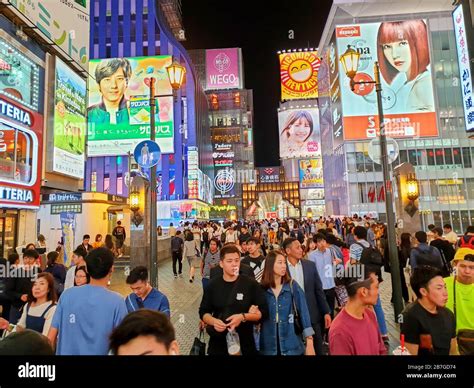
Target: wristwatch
point(244, 320)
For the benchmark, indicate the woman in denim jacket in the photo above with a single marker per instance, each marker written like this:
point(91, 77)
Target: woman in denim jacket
point(277, 335)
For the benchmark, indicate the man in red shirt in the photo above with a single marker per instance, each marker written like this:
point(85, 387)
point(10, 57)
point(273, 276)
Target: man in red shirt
point(355, 331)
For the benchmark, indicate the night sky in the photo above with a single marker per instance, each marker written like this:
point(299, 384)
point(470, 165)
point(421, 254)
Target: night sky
point(223, 23)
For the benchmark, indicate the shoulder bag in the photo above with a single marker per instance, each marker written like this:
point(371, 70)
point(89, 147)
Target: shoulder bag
point(297, 324)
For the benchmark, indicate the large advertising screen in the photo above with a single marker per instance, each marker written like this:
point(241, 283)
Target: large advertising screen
point(299, 75)
point(402, 50)
point(224, 174)
point(311, 173)
point(464, 67)
point(19, 76)
point(224, 69)
point(300, 135)
point(63, 23)
point(119, 105)
point(69, 122)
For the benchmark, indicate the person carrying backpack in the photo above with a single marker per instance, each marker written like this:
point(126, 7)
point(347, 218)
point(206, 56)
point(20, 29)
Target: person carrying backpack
point(467, 241)
point(361, 252)
point(425, 254)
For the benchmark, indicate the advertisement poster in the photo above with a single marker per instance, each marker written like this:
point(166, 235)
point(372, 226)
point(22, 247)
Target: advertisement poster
point(193, 171)
point(299, 75)
point(68, 227)
point(402, 50)
point(119, 105)
point(64, 23)
point(300, 135)
point(464, 67)
point(311, 173)
point(224, 69)
point(335, 94)
point(19, 77)
point(69, 122)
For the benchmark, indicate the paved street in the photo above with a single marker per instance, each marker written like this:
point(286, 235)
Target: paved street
point(185, 298)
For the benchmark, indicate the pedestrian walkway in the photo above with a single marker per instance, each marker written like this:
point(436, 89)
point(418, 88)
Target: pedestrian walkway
point(185, 299)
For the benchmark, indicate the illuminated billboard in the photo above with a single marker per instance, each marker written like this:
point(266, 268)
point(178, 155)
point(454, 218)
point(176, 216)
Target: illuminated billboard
point(311, 173)
point(464, 67)
point(402, 50)
point(224, 69)
point(224, 174)
point(119, 105)
point(300, 135)
point(299, 75)
point(69, 122)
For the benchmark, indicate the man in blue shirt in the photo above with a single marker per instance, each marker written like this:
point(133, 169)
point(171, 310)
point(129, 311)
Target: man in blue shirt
point(325, 263)
point(86, 315)
point(144, 295)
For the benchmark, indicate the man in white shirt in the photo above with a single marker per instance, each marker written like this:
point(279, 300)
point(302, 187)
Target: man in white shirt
point(449, 234)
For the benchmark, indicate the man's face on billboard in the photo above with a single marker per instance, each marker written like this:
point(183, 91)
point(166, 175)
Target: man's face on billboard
point(113, 87)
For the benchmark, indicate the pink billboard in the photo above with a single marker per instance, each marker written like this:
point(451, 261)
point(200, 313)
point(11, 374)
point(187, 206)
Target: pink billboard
point(224, 69)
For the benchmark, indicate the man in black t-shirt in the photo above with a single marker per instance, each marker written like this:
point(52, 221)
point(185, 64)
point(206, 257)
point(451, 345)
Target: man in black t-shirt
point(428, 326)
point(230, 302)
point(445, 248)
point(120, 235)
point(254, 259)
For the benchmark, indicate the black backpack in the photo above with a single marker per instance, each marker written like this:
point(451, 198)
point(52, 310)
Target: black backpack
point(370, 255)
point(427, 258)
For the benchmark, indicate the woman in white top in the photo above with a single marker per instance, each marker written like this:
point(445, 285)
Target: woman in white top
point(39, 311)
point(191, 253)
point(231, 235)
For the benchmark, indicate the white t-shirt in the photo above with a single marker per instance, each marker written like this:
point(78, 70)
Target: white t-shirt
point(38, 311)
point(69, 282)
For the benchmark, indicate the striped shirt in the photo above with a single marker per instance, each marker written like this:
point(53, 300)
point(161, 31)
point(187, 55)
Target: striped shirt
point(257, 264)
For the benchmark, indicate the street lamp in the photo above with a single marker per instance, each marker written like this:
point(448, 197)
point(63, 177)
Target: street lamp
point(176, 74)
point(350, 62)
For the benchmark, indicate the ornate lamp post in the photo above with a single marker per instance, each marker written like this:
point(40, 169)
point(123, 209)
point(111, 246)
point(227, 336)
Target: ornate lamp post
point(350, 62)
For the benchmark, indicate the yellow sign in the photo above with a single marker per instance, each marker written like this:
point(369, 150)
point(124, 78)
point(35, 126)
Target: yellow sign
point(227, 208)
point(299, 75)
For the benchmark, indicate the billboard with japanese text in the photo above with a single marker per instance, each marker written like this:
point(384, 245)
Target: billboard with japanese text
point(119, 104)
point(311, 173)
point(300, 135)
point(464, 67)
point(69, 122)
point(403, 53)
point(299, 75)
point(63, 23)
point(224, 69)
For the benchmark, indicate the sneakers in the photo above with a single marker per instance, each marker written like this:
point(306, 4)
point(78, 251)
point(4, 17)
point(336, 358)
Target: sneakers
point(176, 276)
point(180, 275)
point(190, 280)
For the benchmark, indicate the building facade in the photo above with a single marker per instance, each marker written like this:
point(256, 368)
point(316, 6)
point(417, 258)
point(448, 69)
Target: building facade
point(146, 28)
point(42, 116)
point(439, 150)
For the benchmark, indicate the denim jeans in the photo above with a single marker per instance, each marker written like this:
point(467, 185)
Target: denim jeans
point(205, 282)
point(380, 317)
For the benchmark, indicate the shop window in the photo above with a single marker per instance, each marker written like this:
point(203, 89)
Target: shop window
point(412, 157)
point(430, 157)
point(403, 156)
point(106, 184)
point(439, 156)
point(456, 222)
point(18, 155)
point(457, 156)
point(448, 155)
point(446, 218)
point(437, 218)
point(119, 185)
point(464, 220)
point(466, 157)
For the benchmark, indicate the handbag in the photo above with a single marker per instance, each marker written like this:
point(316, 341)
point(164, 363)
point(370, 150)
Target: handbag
point(465, 337)
point(199, 346)
point(297, 324)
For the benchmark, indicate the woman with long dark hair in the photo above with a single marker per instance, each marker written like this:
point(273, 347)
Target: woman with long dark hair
point(277, 333)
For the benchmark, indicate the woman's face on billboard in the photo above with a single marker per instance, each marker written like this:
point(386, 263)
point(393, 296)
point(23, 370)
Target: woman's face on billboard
point(300, 130)
point(398, 55)
point(113, 87)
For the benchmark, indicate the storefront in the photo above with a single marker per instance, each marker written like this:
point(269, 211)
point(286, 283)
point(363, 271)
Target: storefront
point(69, 216)
point(20, 172)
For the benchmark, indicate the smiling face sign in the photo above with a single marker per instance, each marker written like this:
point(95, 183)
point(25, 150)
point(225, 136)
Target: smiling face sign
point(299, 75)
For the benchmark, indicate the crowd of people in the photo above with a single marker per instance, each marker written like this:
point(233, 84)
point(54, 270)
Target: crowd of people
point(270, 287)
